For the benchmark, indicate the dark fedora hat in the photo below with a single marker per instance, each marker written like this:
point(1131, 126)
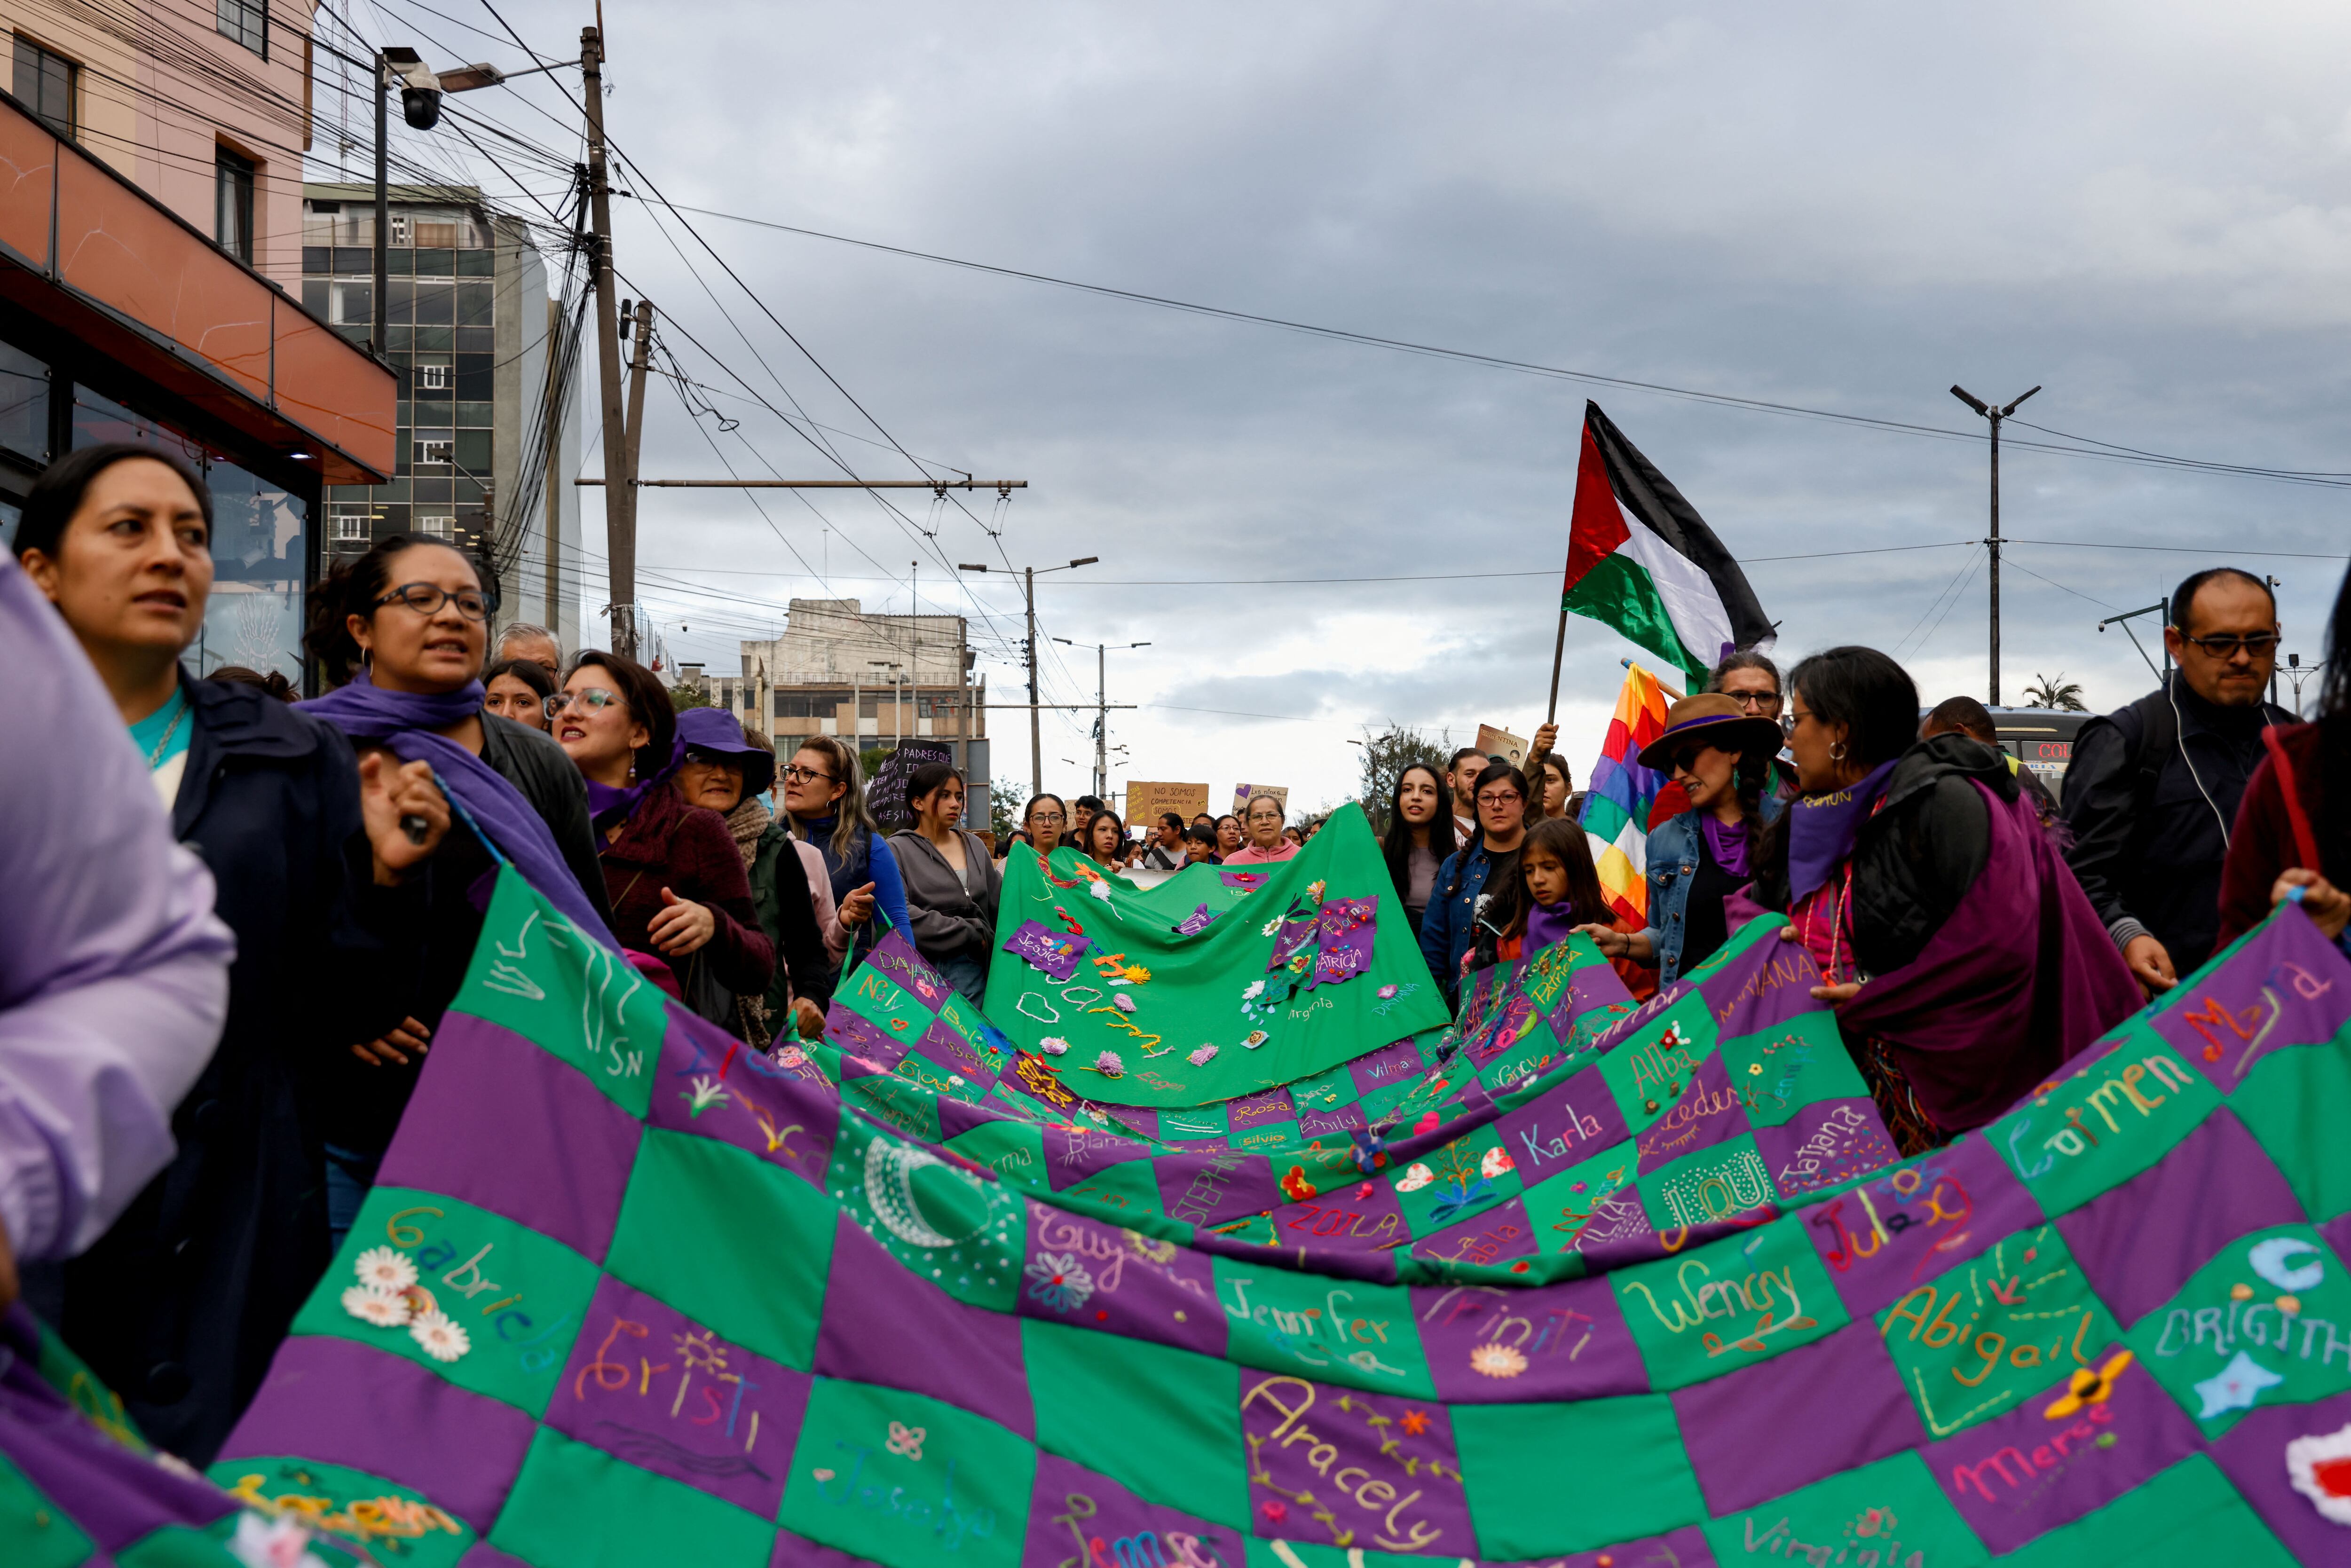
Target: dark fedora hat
point(1709, 718)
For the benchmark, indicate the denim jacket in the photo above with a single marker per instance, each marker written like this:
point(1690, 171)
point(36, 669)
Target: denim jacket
point(1448, 928)
point(1673, 856)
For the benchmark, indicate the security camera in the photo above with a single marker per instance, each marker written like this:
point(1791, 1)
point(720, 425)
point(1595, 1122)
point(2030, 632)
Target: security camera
point(420, 107)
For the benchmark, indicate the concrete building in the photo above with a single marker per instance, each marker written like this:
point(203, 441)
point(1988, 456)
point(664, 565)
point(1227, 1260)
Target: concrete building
point(485, 437)
point(152, 151)
point(871, 678)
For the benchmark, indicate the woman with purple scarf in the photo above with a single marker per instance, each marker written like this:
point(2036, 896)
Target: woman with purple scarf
point(403, 630)
point(1965, 963)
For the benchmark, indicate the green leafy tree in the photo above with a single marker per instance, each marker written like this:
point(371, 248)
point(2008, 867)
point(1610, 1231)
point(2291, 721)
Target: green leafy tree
point(2061, 694)
point(690, 693)
point(1005, 799)
point(1389, 754)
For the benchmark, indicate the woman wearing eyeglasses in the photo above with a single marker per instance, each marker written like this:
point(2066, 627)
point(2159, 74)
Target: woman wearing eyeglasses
point(677, 884)
point(1474, 876)
point(824, 796)
point(1043, 821)
point(181, 1304)
point(1965, 962)
point(1722, 757)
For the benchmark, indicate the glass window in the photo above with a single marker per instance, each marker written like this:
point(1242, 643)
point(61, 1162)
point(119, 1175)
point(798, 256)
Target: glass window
point(434, 450)
point(97, 419)
point(399, 300)
point(350, 521)
point(247, 21)
point(396, 231)
point(354, 304)
point(478, 416)
point(48, 84)
point(432, 378)
point(474, 304)
point(23, 404)
point(476, 378)
point(259, 548)
point(436, 304)
point(435, 524)
point(436, 263)
point(476, 263)
point(433, 340)
point(473, 452)
point(317, 296)
point(476, 339)
point(233, 205)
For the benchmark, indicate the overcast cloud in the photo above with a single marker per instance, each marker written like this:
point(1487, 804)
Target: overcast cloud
point(2141, 207)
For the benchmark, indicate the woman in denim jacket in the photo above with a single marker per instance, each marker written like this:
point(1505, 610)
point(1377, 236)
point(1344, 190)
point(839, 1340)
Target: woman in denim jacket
point(1722, 757)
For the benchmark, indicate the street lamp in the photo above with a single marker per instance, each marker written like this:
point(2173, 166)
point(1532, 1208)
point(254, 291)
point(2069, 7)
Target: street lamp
point(1995, 416)
point(897, 715)
point(1102, 705)
point(420, 105)
point(1029, 588)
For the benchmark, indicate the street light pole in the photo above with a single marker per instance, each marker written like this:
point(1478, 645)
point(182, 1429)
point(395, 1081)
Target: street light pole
point(1995, 416)
point(1102, 708)
point(1028, 591)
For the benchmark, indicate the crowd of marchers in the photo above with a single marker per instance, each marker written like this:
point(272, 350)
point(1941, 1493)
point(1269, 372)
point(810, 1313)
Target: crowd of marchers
point(235, 918)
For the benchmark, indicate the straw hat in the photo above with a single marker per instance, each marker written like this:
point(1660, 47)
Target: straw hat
point(1709, 718)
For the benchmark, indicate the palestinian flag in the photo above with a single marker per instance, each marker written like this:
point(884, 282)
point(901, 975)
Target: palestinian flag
point(1640, 559)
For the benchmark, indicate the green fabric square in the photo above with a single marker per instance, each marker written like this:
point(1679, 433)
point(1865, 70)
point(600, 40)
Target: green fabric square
point(1189, 1404)
point(1780, 1071)
point(1892, 1508)
point(39, 1536)
point(1015, 1149)
point(1467, 1177)
point(899, 1478)
point(1562, 1206)
point(1383, 1099)
point(1326, 1091)
point(1995, 1331)
point(1130, 1188)
point(2267, 1321)
point(758, 1279)
point(1191, 1124)
point(1271, 1138)
point(885, 1004)
point(922, 1069)
point(2296, 1103)
point(520, 1296)
point(2187, 1516)
point(2106, 1121)
point(1715, 1183)
point(944, 1223)
point(184, 1546)
point(1728, 1305)
point(579, 1507)
point(1537, 1050)
point(1648, 1072)
point(1333, 1331)
point(425, 1536)
point(1511, 1459)
point(536, 973)
point(895, 1102)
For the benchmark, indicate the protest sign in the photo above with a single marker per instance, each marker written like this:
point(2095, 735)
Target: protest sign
point(1502, 745)
point(1242, 793)
point(1145, 801)
point(885, 795)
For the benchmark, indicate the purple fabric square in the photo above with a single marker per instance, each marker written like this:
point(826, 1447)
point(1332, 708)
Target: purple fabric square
point(1889, 1237)
point(1203, 1188)
point(1072, 1508)
point(1260, 1110)
point(1762, 989)
point(1197, 922)
point(1590, 988)
point(1684, 1548)
point(482, 1555)
point(2274, 994)
point(1384, 1066)
point(1289, 1425)
point(649, 1384)
point(725, 1090)
point(1825, 1143)
point(1361, 1216)
point(1346, 928)
point(492, 1115)
point(896, 957)
point(799, 1551)
point(1054, 953)
point(1834, 1404)
point(1708, 1112)
point(2138, 1243)
point(943, 1045)
point(343, 1403)
point(1503, 1032)
point(884, 1326)
point(1566, 1125)
point(1131, 1284)
point(2027, 1471)
point(1246, 880)
point(1338, 1123)
point(1076, 1150)
point(1490, 1345)
point(877, 1050)
point(2254, 1456)
point(1495, 1234)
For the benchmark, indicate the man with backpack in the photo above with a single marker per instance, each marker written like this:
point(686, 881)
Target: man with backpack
point(2152, 791)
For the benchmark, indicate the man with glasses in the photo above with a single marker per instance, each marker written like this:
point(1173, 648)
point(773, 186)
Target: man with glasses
point(2152, 790)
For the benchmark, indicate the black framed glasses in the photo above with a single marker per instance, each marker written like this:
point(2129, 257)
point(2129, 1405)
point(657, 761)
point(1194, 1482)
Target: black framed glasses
point(795, 774)
point(1764, 702)
point(702, 758)
point(593, 699)
point(427, 598)
point(1497, 799)
point(2225, 645)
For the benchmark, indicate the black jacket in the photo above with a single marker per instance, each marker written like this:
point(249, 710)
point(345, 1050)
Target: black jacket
point(1917, 856)
point(2147, 844)
point(179, 1306)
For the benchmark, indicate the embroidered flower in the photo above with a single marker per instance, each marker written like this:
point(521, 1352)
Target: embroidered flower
point(1052, 1045)
point(280, 1542)
point(1386, 993)
point(707, 1091)
point(1101, 890)
point(1427, 1123)
point(1275, 1511)
point(387, 1270)
point(1136, 973)
point(1414, 1422)
point(1256, 990)
point(1314, 889)
point(1295, 1184)
point(382, 1309)
point(443, 1340)
point(420, 1302)
point(1495, 1163)
point(1415, 1176)
point(1123, 1004)
point(1060, 1280)
point(791, 1057)
point(2088, 1387)
point(1202, 1056)
point(1497, 1360)
point(1270, 927)
point(2318, 1464)
point(1109, 1065)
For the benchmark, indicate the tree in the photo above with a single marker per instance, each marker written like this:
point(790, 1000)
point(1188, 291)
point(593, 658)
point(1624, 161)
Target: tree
point(1005, 799)
point(1389, 754)
point(2061, 694)
point(690, 693)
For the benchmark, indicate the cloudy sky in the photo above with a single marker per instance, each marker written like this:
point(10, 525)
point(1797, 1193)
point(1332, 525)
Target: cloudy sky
point(2140, 207)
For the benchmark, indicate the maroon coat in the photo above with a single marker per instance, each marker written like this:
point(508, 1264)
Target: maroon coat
point(666, 843)
point(2277, 828)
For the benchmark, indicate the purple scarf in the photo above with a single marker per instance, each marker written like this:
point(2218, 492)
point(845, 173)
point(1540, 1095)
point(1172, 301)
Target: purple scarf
point(406, 721)
point(1727, 842)
point(1820, 830)
point(1547, 924)
point(608, 805)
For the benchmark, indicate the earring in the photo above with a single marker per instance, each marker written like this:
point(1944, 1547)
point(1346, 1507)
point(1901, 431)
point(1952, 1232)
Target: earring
point(1836, 751)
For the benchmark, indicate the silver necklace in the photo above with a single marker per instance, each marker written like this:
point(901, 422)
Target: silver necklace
point(155, 757)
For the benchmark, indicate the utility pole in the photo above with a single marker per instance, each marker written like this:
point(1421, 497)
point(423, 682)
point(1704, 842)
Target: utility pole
point(624, 537)
point(1029, 589)
point(1995, 416)
point(2275, 584)
point(620, 495)
point(1101, 707)
point(554, 497)
point(379, 338)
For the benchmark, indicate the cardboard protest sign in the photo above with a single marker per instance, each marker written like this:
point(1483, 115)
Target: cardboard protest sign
point(1243, 793)
point(1145, 801)
point(1502, 745)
